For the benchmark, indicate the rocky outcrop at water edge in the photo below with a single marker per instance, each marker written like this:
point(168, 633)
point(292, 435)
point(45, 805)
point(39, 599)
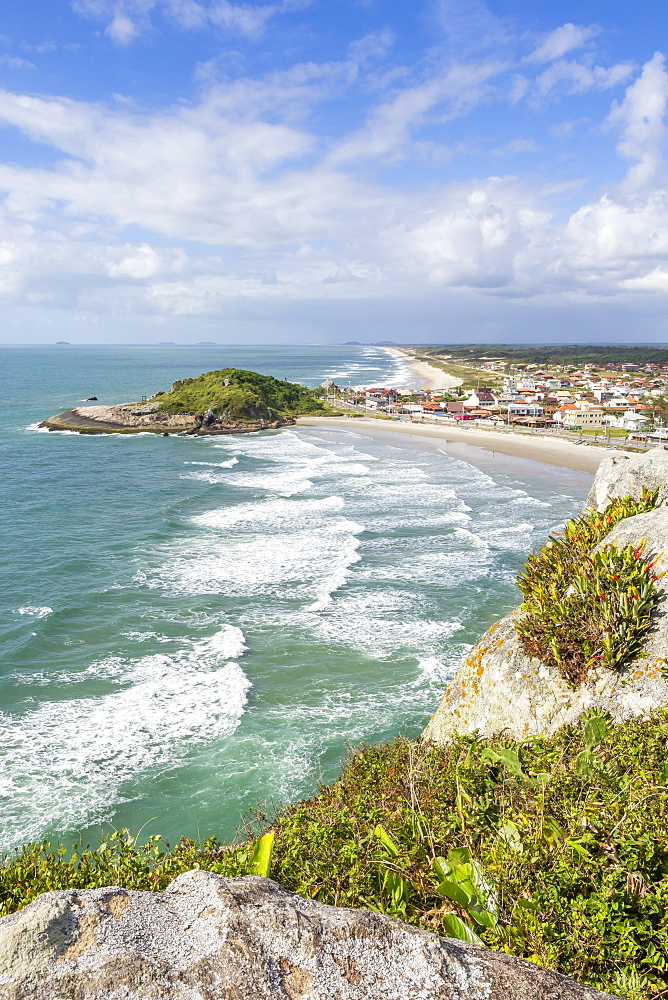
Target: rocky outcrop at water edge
point(501, 689)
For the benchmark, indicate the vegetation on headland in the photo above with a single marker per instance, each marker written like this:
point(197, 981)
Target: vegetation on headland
point(555, 850)
point(584, 609)
point(233, 394)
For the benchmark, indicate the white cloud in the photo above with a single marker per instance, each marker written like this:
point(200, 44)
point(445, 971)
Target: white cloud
point(388, 130)
point(562, 40)
point(235, 203)
point(371, 47)
point(127, 19)
point(640, 117)
point(576, 78)
point(655, 281)
point(15, 62)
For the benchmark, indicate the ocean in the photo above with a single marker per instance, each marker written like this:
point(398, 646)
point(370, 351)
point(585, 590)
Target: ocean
point(193, 630)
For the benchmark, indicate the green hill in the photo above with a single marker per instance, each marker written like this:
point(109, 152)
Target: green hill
point(240, 396)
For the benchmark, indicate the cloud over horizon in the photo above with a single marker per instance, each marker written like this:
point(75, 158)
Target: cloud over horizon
point(518, 177)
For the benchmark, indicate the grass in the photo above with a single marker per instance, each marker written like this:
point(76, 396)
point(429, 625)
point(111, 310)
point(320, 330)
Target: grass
point(567, 839)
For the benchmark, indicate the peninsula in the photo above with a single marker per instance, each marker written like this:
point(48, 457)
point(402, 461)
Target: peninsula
point(228, 401)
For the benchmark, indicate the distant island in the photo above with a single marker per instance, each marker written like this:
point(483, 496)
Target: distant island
point(228, 401)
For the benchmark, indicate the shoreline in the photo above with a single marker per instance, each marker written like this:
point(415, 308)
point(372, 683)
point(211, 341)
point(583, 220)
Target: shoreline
point(562, 454)
point(430, 376)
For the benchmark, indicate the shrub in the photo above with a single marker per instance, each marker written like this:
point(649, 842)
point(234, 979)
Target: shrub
point(585, 608)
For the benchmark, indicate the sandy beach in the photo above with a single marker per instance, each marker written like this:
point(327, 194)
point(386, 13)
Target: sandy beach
point(563, 454)
point(429, 376)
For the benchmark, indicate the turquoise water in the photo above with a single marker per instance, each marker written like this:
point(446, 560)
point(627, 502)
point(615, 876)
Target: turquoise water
point(191, 627)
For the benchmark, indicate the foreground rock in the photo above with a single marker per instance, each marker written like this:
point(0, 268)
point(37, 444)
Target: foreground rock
point(499, 688)
point(213, 938)
point(622, 475)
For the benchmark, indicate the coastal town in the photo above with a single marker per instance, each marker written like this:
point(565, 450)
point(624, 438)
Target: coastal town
point(610, 401)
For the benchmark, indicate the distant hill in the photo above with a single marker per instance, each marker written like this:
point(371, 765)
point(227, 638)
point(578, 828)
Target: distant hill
point(233, 394)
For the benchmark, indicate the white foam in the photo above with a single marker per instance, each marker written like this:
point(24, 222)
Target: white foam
point(205, 477)
point(292, 564)
point(227, 644)
point(273, 513)
point(35, 611)
point(435, 670)
point(218, 465)
point(336, 578)
point(530, 502)
point(385, 626)
point(285, 483)
point(47, 430)
point(63, 764)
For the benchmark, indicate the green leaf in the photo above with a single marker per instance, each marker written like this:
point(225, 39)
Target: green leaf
point(595, 731)
point(383, 836)
point(551, 831)
point(441, 867)
point(576, 846)
point(260, 859)
point(482, 916)
point(456, 928)
point(528, 904)
point(511, 835)
point(454, 892)
point(508, 758)
point(459, 856)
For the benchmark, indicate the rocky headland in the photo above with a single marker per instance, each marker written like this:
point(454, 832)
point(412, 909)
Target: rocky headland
point(229, 401)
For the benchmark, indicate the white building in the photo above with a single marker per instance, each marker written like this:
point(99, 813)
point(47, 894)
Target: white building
point(525, 410)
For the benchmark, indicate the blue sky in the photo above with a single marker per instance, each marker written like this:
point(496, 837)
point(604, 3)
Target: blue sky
point(309, 171)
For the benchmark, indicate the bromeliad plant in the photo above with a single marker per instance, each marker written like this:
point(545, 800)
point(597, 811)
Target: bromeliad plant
point(582, 608)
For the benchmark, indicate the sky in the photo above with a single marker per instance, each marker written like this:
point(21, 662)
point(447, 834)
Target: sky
point(317, 171)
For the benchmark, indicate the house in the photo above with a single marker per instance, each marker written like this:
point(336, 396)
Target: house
point(632, 421)
point(524, 409)
point(390, 395)
point(478, 398)
point(579, 417)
